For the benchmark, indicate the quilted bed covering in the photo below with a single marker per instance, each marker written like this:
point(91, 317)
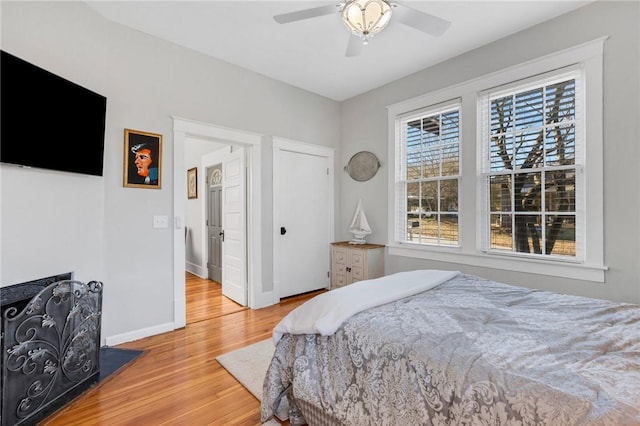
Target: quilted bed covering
point(468, 352)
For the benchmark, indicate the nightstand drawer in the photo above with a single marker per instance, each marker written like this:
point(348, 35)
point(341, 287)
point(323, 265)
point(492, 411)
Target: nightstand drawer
point(339, 255)
point(357, 258)
point(355, 262)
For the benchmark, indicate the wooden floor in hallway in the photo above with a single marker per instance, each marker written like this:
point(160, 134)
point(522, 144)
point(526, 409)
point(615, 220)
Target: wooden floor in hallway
point(205, 300)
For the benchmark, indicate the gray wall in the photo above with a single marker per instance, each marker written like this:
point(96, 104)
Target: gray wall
point(619, 21)
point(58, 222)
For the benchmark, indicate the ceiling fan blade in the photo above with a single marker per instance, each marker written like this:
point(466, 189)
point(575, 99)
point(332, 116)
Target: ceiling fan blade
point(354, 47)
point(305, 14)
point(421, 21)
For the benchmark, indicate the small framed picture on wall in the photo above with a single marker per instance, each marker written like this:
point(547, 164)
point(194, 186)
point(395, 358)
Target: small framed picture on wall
point(142, 159)
point(192, 183)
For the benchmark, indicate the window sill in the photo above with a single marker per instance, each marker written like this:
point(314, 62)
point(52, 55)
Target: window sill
point(577, 271)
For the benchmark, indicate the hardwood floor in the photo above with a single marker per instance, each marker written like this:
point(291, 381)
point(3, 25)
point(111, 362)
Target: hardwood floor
point(177, 381)
point(205, 300)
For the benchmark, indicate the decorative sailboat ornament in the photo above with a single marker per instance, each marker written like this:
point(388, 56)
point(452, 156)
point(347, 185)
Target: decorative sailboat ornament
point(359, 226)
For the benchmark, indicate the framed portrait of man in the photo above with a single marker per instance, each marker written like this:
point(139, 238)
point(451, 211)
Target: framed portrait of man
point(142, 159)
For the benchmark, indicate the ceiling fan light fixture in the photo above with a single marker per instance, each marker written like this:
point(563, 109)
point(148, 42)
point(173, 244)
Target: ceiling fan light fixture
point(365, 18)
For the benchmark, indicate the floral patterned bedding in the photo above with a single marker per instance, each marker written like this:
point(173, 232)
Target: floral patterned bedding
point(468, 352)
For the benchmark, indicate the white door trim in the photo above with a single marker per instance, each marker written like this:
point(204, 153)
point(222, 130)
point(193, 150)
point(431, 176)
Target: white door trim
point(281, 144)
point(183, 128)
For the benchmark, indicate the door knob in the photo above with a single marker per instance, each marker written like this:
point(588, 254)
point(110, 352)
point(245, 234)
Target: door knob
point(222, 234)
point(283, 230)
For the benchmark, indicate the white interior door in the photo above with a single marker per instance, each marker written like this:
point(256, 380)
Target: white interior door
point(303, 207)
point(234, 227)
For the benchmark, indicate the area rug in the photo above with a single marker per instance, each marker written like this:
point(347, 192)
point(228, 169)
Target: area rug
point(249, 366)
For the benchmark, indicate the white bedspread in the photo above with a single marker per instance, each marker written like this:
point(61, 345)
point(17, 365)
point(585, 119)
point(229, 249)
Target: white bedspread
point(325, 313)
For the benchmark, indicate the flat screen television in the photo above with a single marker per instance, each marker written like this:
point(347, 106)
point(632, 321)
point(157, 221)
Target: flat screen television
point(49, 122)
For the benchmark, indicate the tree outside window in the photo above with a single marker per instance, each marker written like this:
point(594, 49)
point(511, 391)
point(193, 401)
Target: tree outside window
point(532, 170)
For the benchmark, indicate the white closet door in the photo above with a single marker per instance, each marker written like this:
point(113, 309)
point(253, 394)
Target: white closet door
point(303, 213)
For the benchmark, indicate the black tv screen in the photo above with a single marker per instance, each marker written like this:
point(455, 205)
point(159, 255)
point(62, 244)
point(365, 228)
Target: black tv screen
point(49, 122)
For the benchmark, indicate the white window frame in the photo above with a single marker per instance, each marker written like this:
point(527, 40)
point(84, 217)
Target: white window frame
point(589, 57)
point(402, 180)
point(484, 99)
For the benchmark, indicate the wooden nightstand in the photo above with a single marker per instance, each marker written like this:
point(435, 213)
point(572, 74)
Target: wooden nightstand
point(355, 262)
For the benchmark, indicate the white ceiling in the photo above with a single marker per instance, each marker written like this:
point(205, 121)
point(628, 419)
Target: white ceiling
point(310, 54)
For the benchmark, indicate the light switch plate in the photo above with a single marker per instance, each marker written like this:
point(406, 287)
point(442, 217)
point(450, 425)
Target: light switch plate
point(179, 222)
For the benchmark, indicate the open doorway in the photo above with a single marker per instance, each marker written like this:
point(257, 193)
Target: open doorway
point(204, 291)
point(182, 131)
point(200, 156)
point(222, 221)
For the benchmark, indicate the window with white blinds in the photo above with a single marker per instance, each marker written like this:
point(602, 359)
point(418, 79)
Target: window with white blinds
point(505, 170)
point(532, 163)
point(427, 180)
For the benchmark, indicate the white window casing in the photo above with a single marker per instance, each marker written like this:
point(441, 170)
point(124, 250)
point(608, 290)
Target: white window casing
point(583, 62)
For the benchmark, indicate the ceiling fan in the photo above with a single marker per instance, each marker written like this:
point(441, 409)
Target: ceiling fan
point(365, 18)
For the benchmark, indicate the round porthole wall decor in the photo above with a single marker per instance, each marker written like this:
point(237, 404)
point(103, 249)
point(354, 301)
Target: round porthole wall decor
point(362, 166)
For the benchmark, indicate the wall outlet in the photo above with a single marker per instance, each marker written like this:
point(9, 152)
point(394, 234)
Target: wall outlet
point(160, 222)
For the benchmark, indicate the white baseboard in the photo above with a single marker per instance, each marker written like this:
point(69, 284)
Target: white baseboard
point(138, 334)
point(197, 270)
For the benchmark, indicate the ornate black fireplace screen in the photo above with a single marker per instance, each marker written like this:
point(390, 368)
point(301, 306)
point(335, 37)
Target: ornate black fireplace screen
point(50, 350)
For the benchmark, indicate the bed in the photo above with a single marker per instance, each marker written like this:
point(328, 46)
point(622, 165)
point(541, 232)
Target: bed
point(454, 349)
